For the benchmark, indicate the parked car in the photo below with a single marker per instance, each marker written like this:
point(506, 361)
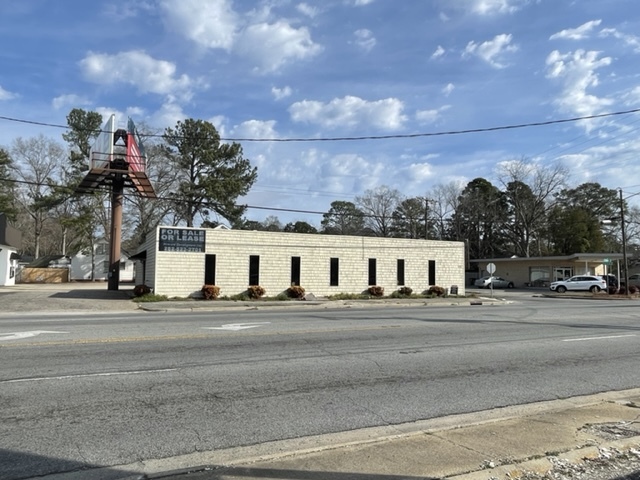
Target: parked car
point(589, 283)
point(497, 282)
point(634, 280)
point(611, 280)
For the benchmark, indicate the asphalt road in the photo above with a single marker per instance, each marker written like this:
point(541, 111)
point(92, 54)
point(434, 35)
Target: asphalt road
point(115, 389)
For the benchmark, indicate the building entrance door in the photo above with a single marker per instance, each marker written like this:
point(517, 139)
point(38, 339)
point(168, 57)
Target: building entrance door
point(562, 273)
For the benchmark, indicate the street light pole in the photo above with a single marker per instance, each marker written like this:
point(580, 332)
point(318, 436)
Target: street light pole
point(624, 247)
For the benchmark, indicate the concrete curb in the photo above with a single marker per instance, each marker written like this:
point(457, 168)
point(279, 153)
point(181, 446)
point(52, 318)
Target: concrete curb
point(444, 440)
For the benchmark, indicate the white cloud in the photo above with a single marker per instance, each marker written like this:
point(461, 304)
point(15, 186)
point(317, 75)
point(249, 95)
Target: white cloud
point(6, 95)
point(256, 129)
point(307, 10)
point(430, 116)
point(577, 71)
point(631, 40)
point(579, 33)
point(438, 53)
point(220, 122)
point(448, 89)
point(272, 45)
point(70, 100)
point(269, 43)
point(491, 51)
point(350, 112)
point(365, 39)
point(633, 97)
point(492, 7)
point(419, 172)
point(123, 11)
point(361, 3)
point(280, 93)
point(209, 23)
point(168, 115)
point(136, 68)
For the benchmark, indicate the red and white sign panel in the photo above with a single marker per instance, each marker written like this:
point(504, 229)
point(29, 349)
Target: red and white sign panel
point(135, 150)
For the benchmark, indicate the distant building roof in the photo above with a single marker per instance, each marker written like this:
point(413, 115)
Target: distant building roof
point(49, 260)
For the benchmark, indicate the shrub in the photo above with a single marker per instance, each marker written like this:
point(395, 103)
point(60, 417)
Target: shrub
point(402, 292)
point(295, 291)
point(255, 291)
point(210, 292)
point(406, 291)
point(376, 291)
point(633, 289)
point(436, 290)
point(140, 290)
point(612, 290)
point(348, 296)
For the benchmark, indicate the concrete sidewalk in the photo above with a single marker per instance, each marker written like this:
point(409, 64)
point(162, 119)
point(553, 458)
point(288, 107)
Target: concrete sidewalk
point(93, 297)
point(504, 443)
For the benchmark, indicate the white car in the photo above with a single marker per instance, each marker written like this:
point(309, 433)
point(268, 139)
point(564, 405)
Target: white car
point(589, 283)
point(496, 282)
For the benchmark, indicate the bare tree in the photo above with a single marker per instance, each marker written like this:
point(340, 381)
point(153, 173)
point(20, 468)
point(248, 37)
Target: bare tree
point(378, 206)
point(530, 189)
point(38, 161)
point(443, 202)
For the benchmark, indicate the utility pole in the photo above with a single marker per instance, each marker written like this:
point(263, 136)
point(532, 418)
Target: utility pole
point(426, 218)
point(624, 247)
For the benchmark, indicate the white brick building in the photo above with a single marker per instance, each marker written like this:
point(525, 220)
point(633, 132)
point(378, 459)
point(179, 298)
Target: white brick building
point(179, 261)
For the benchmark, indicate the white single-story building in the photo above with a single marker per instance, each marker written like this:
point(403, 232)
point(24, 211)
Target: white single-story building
point(541, 271)
point(178, 261)
point(81, 264)
point(10, 243)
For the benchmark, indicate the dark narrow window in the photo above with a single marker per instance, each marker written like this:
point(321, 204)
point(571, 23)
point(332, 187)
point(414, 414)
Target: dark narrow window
point(295, 271)
point(432, 272)
point(334, 272)
point(372, 272)
point(254, 270)
point(400, 271)
point(209, 269)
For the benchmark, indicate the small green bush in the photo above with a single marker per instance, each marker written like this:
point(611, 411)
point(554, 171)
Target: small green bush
point(436, 291)
point(376, 291)
point(151, 297)
point(210, 292)
point(255, 291)
point(348, 296)
point(295, 291)
point(140, 290)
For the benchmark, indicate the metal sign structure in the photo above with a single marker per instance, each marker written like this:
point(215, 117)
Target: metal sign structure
point(117, 161)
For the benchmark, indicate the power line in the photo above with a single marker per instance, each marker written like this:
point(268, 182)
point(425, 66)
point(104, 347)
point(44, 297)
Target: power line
point(370, 137)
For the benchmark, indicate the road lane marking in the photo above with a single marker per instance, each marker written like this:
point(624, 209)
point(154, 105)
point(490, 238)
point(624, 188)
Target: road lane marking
point(20, 335)
point(234, 327)
point(66, 377)
point(598, 338)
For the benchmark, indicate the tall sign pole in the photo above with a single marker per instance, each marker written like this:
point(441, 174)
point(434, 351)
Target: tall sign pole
point(117, 196)
point(117, 161)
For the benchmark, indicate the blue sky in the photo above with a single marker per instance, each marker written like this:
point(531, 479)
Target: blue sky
point(342, 68)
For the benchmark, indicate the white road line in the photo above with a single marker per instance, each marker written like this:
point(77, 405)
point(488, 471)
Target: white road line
point(111, 374)
point(21, 335)
point(598, 338)
point(234, 327)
